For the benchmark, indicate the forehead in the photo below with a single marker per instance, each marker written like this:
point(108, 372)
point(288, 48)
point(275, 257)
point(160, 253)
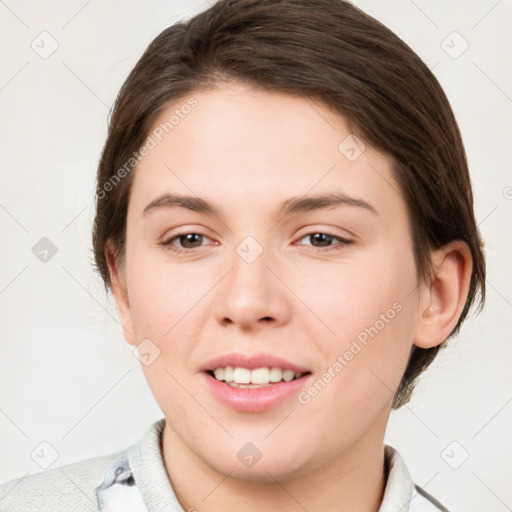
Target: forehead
point(257, 147)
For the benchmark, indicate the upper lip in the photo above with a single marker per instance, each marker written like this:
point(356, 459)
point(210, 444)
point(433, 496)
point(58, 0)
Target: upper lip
point(251, 361)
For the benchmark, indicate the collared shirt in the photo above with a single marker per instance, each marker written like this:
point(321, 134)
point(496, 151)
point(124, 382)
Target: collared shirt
point(135, 480)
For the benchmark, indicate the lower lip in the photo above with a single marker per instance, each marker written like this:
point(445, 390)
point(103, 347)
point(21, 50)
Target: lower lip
point(254, 399)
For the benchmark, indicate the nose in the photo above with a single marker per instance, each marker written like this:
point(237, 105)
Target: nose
point(252, 295)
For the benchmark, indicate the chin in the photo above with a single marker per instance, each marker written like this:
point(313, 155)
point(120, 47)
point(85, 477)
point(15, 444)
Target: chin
point(276, 465)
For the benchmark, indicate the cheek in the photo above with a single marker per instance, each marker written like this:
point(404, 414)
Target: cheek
point(372, 313)
point(353, 295)
point(160, 294)
point(360, 378)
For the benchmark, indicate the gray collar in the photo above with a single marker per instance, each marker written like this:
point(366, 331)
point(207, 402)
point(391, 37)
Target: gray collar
point(141, 476)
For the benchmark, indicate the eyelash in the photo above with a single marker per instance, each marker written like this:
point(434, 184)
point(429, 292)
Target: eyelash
point(338, 247)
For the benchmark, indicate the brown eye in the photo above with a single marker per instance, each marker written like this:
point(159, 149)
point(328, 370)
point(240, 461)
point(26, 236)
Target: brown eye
point(322, 240)
point(187, 242)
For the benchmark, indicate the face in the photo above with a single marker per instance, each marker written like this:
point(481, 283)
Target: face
point(268, 278)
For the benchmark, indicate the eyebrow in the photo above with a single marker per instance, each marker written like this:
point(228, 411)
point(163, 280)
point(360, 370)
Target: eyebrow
point(293, 205)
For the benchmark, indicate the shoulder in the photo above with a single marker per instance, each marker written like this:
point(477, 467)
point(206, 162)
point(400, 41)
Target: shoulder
point(422, 501)
point(401, 493)
point(71, 487)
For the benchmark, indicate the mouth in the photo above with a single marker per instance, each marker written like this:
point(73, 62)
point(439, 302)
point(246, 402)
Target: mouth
point(246, 378)
point(254, 390)
point(254, 382)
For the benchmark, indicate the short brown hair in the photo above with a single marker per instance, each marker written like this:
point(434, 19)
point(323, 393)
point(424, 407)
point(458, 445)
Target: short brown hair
point(327, 50)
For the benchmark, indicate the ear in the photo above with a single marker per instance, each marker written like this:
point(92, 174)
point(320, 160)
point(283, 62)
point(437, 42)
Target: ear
point(120, 291)
point(442, 301)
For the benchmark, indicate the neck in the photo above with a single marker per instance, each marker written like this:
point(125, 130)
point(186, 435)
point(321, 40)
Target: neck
point(353, 480)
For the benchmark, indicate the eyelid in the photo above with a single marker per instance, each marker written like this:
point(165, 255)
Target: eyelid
point(168, 241)
point(342, 241)
point(330, 230)
point(185, 230)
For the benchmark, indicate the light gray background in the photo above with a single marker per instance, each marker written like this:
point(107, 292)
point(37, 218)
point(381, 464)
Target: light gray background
point(68, 378)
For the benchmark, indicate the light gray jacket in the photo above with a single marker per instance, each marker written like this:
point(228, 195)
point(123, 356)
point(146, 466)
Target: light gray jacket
point(138, 475)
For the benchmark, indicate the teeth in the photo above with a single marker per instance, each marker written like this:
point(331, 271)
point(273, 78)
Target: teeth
point(243, 377)
point(219, 373)
point(260, 376)
point(228, 373)
point(275, 374)
point(288, 375)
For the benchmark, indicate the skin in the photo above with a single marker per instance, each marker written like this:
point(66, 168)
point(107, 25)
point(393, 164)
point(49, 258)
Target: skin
point(247, 151)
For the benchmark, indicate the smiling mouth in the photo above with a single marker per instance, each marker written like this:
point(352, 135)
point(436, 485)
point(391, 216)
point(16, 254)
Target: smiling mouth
point(239, 377)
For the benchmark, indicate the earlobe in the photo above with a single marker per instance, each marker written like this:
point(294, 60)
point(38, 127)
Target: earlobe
point(120, 291)
point(443, 300)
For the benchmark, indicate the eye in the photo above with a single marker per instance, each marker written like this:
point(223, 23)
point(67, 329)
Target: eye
point(325, 239)
point(188, 241)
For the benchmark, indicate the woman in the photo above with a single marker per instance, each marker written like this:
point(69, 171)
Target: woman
point(285, 218)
